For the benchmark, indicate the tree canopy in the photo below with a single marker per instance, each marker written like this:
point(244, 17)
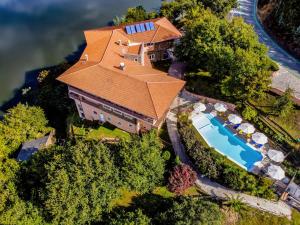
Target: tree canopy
point(284, 105)
point(175, 10)
point(136, 217)
point(141, 163)
point(229, 51)
point(192, 211)
point(81, 183)
point(22, 123)
point(134, 14)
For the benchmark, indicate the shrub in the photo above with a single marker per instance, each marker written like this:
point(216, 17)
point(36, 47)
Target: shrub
point(166, 155)
point(249, 113)
point(181, 178)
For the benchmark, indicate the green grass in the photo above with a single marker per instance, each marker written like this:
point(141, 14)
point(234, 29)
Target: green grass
point(291, 124)
point(126, 196)
point(125, 199)
point(204, 85)
point(98, 132)
point(163, 192)
point(106, 131)
point(253, 216)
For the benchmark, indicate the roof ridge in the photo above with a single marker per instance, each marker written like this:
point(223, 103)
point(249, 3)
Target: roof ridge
point(160, 82)
point(106, 47)
point(155, 33)
point(166, 27)
point(156, 114)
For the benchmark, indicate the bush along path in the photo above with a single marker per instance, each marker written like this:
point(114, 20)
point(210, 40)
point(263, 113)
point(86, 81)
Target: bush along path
point(214, 189)
point(288, 74)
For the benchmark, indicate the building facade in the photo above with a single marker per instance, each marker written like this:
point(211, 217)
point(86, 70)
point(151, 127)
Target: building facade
point(114, 80)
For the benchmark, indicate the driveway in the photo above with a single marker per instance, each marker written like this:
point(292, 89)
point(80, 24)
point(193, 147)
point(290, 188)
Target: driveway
point(289, 72)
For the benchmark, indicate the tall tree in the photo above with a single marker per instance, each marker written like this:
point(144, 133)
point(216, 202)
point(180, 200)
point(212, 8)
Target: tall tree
point(22, 123)
point(136, 217)
point(229, 51)
point(192, 211)
point(284, 104)
point(141, 162)
point(81, 183)
point(14, 210)
point(175, 10)
point(181, 178)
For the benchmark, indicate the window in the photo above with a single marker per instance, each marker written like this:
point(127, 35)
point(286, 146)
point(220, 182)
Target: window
point(101, 118)
point(165, 55)
point(152, 56)
point(108, 118)
point(128, 117)
point(150, 44)
point(135, 59)
point(119, 123)
point(80, 107)
point(82, 115)
point(106, 107)
point(95, 112)
point(117, 112)
point(130, 125)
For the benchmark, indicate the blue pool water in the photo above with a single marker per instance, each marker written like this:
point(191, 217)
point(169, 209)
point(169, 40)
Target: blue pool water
point(225, 142)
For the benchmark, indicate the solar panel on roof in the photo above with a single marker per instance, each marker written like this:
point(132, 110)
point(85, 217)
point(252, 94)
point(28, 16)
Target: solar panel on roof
point(132, 28)
point(142, 27)
point(147, 26)
point(138, 28)
point(151, 24)
point(128, 30)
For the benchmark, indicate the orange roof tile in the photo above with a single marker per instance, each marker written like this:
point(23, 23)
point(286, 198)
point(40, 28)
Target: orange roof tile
point(142, 89)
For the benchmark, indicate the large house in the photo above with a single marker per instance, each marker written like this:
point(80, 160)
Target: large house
point(114, 80)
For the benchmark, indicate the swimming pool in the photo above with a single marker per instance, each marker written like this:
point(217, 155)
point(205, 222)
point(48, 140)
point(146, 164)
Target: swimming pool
point(225, 142)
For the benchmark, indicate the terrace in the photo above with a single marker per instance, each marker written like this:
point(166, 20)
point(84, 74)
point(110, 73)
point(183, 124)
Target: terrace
point(225, 131)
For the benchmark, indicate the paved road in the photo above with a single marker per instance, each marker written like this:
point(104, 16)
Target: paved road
point(210, 187)
point(289, 72)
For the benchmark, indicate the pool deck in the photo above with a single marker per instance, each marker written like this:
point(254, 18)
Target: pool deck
point(233, 131)
point(214, 189)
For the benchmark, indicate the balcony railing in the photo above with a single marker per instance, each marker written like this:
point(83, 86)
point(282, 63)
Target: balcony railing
point(75, 93)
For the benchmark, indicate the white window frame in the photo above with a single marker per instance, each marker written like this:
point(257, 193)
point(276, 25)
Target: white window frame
point(118, 112)
point(107, 107)
point(152, 56)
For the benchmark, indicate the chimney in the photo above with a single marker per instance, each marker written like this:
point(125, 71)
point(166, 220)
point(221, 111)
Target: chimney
point(86, 56)
point(122, 65)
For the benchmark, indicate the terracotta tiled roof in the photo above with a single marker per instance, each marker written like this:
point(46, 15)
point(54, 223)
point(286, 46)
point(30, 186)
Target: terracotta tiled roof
point(142, 89)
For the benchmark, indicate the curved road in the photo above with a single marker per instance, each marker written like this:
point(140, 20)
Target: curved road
point(289, 72)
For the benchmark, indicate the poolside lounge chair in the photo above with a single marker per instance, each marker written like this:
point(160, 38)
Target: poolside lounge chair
point(236, 126)
point(259, 145)
point(228, 122)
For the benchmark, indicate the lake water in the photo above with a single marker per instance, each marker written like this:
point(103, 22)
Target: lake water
point(39, 33)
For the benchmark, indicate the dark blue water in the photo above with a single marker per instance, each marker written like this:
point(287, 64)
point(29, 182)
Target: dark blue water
point(39, 33)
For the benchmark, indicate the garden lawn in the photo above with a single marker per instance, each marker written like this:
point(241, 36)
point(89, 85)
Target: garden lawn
point(291, 124)
point(252, 216)
point(107, 131)
point(126, 196)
